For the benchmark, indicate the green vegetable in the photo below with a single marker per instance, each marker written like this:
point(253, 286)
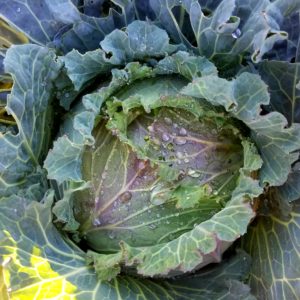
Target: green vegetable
point(152, 150)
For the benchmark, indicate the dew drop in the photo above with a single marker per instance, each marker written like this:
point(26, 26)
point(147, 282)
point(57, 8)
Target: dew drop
point(151, 128)
point(125, 197)
point(165, 137)
point(237, 33)
point(182, 132)
point(96, 222)
point(186, 160)
point(193, 173)
point(156, 142)
point(18, 9)
point(168, 121)
point(111, 235)
point(179, 154)
point(179, 141)
point(152, 226)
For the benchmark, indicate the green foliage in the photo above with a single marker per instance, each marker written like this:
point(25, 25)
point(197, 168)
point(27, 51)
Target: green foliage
point(143, 139)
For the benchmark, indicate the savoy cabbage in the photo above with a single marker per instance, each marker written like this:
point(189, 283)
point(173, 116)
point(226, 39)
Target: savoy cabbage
point(149, 149)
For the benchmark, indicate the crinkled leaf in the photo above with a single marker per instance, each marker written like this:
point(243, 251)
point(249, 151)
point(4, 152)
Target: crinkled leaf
point(187, 65)
point(119, 47)
point(81, 68)
point(288, 50)
point(274, 242)
point(33, 70)
point(224, 31)
point(61, 24)
point(243, 98)
point(141, 40)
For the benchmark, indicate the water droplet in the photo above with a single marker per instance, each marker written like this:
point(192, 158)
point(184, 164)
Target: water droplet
point(165, 137)
point(141, 165)
point(158, 215)
point(18, 9)
point(151, 128)
point(168, 121)
point(67, 95)
point(237, 33)
point(143, 47)
point(156, 141)
point(111, 235)
point(96, 222)
point(125, 197)
point(152, 226)
point(179, 154)
point(186, 160)
point(182, 132)
point(193, 173)
point(179, 141)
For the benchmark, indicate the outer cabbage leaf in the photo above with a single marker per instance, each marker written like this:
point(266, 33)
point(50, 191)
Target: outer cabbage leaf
point(61, 24)
point(225, 31)
point(282, 79)
point(8, 37)
point(118, 48)
point(274, 243)
point(288, 50)
point(37, 262)
point(21, 153)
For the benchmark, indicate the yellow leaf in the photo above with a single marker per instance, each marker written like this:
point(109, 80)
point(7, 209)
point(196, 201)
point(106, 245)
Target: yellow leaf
point(42, 282)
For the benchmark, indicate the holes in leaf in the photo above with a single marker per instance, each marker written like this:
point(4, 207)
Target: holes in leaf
point(207, 13)
point(108, 55)
point(119, 109)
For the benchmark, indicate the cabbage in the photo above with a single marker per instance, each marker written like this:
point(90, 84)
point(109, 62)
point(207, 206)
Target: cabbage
point(149, 150)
